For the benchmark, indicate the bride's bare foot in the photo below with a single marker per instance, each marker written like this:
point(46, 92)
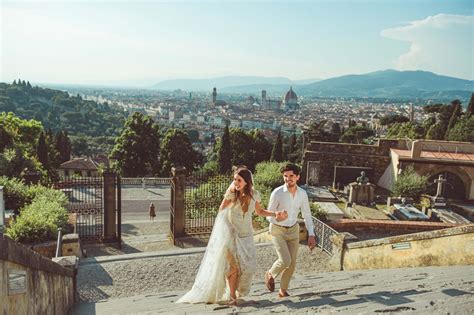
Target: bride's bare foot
point(233, 301)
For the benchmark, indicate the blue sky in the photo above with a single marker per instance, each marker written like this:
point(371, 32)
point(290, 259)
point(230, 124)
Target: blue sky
point(143, 42)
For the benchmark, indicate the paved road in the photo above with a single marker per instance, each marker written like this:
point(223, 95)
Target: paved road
point(423, 290)
point(136, 200)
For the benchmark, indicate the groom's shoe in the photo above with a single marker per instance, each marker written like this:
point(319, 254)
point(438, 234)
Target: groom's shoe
point(269, 281)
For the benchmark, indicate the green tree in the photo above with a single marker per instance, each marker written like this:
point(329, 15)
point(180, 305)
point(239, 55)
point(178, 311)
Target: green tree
point(177, 150)
point(356, 134)
point(262, 148)
point(225, 153)
point(409, 184)
point(456, 113)
point(318, 133)
point(277, 151)
point(463, 130)
point(405, 130)
point(241, 144)
point(470, 107)
point(393, 119)
point(63, 146)
point(42, 151)
point(336, 132)
point(137, 149)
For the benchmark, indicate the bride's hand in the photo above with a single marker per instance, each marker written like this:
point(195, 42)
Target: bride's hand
point(231, 187)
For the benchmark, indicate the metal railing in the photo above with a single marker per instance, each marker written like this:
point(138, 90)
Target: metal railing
point(146, 181)
point(323, 234)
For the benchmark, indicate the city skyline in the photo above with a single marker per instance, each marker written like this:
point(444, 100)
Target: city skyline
point(141, 44)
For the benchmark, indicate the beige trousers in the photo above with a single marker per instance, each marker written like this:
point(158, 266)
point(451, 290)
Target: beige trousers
point(286, 242)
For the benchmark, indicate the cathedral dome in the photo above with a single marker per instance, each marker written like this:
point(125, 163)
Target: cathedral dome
point(290, 95)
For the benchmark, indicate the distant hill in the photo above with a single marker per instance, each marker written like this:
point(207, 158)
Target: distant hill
point(58, 110)
point(228, 83)
point(391, 83)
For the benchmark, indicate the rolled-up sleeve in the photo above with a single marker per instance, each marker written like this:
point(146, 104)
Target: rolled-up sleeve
point(306, 212)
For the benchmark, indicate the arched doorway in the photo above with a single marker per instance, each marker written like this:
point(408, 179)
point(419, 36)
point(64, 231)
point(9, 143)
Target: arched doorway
point(453, 188)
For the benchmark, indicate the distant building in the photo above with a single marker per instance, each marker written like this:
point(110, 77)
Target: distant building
point(82, 167)
point(215, 101)
point(290, 101)
point(214, 95)
point(273, 104)
point(264, 98)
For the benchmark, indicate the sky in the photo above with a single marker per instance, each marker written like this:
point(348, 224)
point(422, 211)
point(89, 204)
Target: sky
point(143, 42)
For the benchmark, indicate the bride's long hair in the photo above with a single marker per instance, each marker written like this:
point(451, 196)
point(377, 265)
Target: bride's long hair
point(246, 195)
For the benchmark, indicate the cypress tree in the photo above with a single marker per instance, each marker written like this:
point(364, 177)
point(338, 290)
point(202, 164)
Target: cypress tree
point(277, 152)
point(225, 153)
point(42, 151)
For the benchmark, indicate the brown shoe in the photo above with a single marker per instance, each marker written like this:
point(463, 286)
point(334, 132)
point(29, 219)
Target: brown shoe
point(269, 282)
point(282, 295)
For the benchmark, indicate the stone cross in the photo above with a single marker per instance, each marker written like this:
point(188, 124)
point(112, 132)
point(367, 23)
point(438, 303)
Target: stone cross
point(440, 182)
point(2, 211)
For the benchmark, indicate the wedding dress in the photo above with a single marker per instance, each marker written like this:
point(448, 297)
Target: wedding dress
point(232, 233)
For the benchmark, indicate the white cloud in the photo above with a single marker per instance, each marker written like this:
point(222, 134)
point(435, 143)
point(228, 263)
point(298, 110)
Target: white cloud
point(442, 43)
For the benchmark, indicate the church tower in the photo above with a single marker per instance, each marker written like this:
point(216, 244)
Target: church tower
point(214, 95)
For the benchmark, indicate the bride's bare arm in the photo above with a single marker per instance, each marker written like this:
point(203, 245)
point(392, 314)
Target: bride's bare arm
point(224, 203)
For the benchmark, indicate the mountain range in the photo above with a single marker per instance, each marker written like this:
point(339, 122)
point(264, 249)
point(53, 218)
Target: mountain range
point(380, 84)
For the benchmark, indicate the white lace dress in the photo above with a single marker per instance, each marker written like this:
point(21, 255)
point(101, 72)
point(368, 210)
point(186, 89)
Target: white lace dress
point(232, 233)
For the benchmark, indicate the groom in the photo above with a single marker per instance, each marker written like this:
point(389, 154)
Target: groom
point(285, 234)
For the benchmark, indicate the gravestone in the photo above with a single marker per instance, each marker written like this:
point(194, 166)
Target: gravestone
point(361, 191)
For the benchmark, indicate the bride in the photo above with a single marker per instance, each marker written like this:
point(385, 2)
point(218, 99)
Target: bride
point(229, 262)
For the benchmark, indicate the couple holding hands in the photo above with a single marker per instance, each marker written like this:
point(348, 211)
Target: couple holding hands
point(226, 270)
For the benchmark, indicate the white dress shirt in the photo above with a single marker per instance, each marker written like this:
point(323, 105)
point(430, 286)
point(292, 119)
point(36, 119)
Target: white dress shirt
point(281, 199)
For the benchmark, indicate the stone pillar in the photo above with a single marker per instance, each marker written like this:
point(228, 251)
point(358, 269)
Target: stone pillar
point(416, 148)
point(109, 206)
point(2, 211)
point(177, 201)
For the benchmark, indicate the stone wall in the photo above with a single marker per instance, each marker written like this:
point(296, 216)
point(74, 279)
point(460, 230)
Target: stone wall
point(331, 154)
point(452, 246)
point(48, 289)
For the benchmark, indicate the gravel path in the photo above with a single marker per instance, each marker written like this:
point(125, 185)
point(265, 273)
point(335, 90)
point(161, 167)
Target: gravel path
point(161, 274)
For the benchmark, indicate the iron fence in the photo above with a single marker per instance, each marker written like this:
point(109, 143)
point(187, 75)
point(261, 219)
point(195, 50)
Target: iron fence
point(323, 234)
point(85, 199)
point(145, 181)
point(203, 196)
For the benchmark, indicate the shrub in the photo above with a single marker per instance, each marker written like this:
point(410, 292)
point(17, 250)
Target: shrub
point(14, 193)
point(39, 221)
point(317, 212)
point(409, 184)
point(266, 178)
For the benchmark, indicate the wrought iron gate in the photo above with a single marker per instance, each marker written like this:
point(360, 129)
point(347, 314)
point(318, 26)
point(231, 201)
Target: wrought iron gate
point(86, 200)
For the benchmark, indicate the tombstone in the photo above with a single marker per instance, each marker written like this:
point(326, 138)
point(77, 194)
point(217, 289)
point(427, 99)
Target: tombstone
point(312, 176)
point(2, 211)
point(361, 191)
point(438, 201)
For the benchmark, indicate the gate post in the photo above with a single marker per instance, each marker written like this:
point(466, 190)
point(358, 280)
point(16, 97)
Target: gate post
point(109, 206)
point(179, 183)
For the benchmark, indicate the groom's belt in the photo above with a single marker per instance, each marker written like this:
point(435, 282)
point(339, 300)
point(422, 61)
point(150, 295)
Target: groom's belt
point(285, 227)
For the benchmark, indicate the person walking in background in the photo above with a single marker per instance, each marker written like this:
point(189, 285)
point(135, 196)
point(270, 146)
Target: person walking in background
point(229, 262)
point(151, 212)
point(285, 234)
